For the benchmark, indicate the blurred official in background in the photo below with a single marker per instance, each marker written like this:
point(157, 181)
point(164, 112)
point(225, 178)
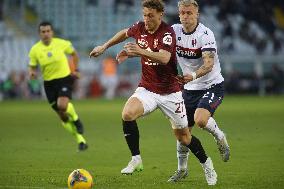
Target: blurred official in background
point(50, 54)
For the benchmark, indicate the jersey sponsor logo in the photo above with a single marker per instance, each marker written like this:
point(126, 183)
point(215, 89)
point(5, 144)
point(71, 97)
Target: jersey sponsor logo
point(206, 32)
point(142, 43)
point(188, 53)
point(167, 39)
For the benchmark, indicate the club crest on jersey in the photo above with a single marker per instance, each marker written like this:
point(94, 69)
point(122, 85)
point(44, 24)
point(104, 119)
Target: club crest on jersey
point(167, 39)
point(155, 43)
point(142, 43)
point(49, 54)
point(193, 42)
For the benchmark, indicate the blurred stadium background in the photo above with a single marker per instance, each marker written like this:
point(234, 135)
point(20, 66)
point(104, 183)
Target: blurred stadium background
point(249, 33)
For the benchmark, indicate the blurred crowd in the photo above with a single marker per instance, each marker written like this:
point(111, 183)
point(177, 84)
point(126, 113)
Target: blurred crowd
point(1, 10)
point(251, 83)
point(110, 83)
point(244, 26)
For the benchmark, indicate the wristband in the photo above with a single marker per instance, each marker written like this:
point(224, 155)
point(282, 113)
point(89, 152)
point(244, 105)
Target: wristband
point(193, 75)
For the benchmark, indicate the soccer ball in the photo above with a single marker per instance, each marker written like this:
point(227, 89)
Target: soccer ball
point(80, 179)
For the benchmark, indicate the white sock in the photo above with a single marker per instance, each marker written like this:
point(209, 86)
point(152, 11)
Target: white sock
point(213, 128)
point(137, 158)
point(182, 156)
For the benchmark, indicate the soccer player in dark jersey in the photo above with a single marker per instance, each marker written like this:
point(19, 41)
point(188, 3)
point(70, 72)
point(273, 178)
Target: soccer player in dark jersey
point(158, 88)
point(50, 54)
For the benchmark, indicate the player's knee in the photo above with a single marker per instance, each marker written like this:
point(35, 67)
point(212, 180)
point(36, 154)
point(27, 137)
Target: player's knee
point(128, 115)
point(61, 107)
point(184, 138)
point(200, 121)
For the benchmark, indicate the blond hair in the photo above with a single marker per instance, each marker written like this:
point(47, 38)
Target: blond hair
point(188, 3)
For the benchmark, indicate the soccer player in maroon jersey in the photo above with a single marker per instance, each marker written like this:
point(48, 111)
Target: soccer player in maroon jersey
point(158, 88)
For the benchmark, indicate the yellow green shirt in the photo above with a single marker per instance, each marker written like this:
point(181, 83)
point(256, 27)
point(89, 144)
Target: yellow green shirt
point(52, 58)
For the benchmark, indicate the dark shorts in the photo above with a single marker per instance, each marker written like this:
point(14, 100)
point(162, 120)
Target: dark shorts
point(208, 99)
point(57, 88)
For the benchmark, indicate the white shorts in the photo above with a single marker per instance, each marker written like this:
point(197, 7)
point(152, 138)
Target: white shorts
point(172, 105)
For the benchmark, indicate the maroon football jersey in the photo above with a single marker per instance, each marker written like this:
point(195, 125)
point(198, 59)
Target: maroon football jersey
point(156, 77)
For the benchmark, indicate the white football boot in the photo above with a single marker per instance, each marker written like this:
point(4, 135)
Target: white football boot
point(210, 174)
point(134, 165)
point(224, 148)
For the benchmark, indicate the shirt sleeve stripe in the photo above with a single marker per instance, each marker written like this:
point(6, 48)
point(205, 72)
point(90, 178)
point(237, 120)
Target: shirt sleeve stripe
point(208, 49)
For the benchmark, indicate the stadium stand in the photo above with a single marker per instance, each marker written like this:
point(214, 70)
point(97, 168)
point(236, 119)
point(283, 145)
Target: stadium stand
point(250, 39)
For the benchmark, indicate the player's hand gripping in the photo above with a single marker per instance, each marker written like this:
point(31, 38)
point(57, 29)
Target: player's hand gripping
point(123, 55)
point(187, 78)
point(132, 49)
point(97, 51)
point(183, 79)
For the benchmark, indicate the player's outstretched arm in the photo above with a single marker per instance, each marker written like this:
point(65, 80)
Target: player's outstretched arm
point(117, 38)
point(162, 56)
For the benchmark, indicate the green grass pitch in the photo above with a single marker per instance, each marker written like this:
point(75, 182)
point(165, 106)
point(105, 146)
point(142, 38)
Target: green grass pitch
point(36, 152)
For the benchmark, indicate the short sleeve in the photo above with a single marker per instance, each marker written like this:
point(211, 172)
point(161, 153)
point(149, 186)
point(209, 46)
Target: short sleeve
point(133, 30)
point(33, 60)
point(168, 41)
point(68, 47)
point(208, 41)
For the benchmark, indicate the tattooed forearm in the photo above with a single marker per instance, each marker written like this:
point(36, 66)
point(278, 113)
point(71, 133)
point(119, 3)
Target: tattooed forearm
point(208, 62)
point(205, 69)
point(208, 54)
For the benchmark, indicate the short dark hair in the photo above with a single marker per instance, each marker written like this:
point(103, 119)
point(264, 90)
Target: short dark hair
point(154, 4)
point(45, 23)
